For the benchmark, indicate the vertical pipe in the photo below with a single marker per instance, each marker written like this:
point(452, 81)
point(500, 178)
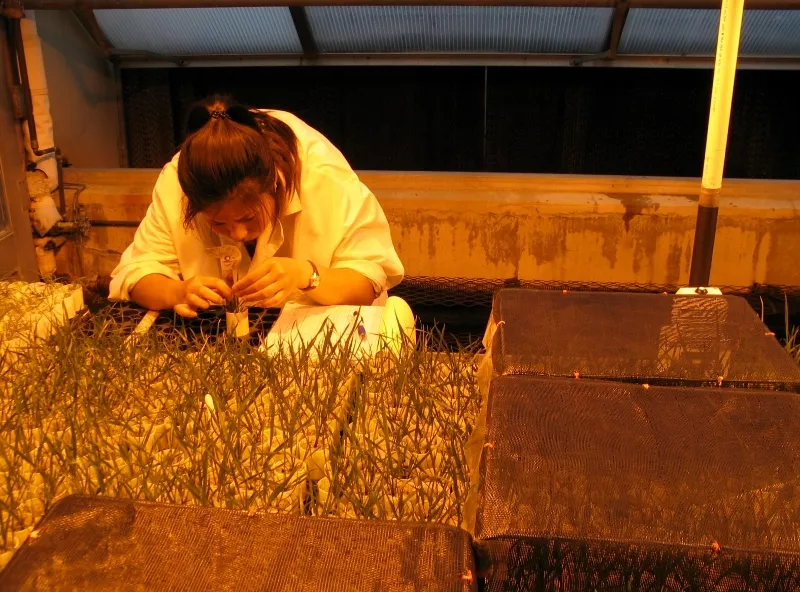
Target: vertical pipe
point(730, 27)
point(62, 199)
point(34, 86)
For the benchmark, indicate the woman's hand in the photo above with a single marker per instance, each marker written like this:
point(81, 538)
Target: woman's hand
point(269, 284)
point(199, 293)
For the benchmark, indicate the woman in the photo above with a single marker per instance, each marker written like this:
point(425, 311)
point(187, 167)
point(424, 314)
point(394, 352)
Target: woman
point(279, 190)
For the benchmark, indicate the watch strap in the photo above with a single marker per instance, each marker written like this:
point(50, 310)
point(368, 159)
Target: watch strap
point(313, 281)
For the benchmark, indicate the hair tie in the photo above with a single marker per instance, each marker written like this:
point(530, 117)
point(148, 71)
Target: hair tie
point(219, 115)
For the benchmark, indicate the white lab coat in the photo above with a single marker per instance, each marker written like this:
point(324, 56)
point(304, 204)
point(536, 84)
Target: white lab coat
point(335, 221)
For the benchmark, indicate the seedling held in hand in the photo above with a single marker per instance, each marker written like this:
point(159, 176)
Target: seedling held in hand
point(229, 259)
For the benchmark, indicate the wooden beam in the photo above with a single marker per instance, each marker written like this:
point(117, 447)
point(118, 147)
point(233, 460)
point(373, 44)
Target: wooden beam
point(122, 4)
point(614, 36)
point(303, 28)
point(143, 60)
point(89, 22)
point(617, 26)
point(126, 54)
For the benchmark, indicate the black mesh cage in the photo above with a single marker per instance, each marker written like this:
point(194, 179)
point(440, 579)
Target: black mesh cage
point(654, 338)
point(461, 307)
point(597, 485)
point(209, 323)
point(109, 544)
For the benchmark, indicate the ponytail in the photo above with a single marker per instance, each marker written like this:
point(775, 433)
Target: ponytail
point(231, 151)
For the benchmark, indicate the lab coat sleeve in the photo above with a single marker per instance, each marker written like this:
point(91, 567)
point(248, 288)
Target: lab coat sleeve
point(366, 241)
point(153, 249)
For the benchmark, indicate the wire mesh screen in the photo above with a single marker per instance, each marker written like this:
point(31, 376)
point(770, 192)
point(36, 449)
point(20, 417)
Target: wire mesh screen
point(209, 323)
point(591, 121)
point(597, 485)
point(461, 307)
point(109, 544)
point(149, 123)
point(653, 338)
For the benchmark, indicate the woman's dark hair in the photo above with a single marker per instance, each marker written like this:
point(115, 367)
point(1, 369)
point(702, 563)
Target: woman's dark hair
point(233, 151)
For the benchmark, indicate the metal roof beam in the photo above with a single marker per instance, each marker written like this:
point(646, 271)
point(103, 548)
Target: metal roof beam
point(141, 60)
point(303, 29)
point(120, 4)
point(90, 24)
point(147, 56)
point(617, 26)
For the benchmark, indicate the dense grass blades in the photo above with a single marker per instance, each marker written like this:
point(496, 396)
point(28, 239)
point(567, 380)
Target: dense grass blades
point(188, 419)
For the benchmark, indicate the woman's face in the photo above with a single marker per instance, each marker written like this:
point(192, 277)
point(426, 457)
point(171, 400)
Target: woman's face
point(236, 219)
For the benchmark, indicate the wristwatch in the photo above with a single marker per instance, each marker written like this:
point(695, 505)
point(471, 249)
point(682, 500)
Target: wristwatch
point(313, 282)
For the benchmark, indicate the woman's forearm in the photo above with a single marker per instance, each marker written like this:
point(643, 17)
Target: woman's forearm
point(274, 280)
point(156, 292)
point(342, 286)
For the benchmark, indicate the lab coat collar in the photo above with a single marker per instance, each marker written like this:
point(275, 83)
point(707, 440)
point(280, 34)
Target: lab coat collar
point(293, 207)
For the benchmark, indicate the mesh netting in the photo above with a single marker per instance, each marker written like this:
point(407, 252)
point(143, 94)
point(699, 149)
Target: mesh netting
point(658, 339)
point(208, 323)
point(570, 565)
point(477, 292)
point(108, 544)
point(461, 307)
point(149, 122)
point(624, 487)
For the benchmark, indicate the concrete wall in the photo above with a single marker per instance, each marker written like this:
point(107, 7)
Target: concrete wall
point(83, 92)
point(532, 227)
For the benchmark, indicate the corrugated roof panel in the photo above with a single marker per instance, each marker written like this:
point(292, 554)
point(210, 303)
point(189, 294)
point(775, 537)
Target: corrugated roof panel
point(511, 29)
point(771, 33)
point(669, 31)
point(201, 31)
point(662, 31)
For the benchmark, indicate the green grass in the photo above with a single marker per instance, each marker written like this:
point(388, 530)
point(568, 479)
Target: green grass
point(165, 417)
point(173, 418)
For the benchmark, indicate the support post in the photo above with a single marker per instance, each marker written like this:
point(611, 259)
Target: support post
point(730, 26)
